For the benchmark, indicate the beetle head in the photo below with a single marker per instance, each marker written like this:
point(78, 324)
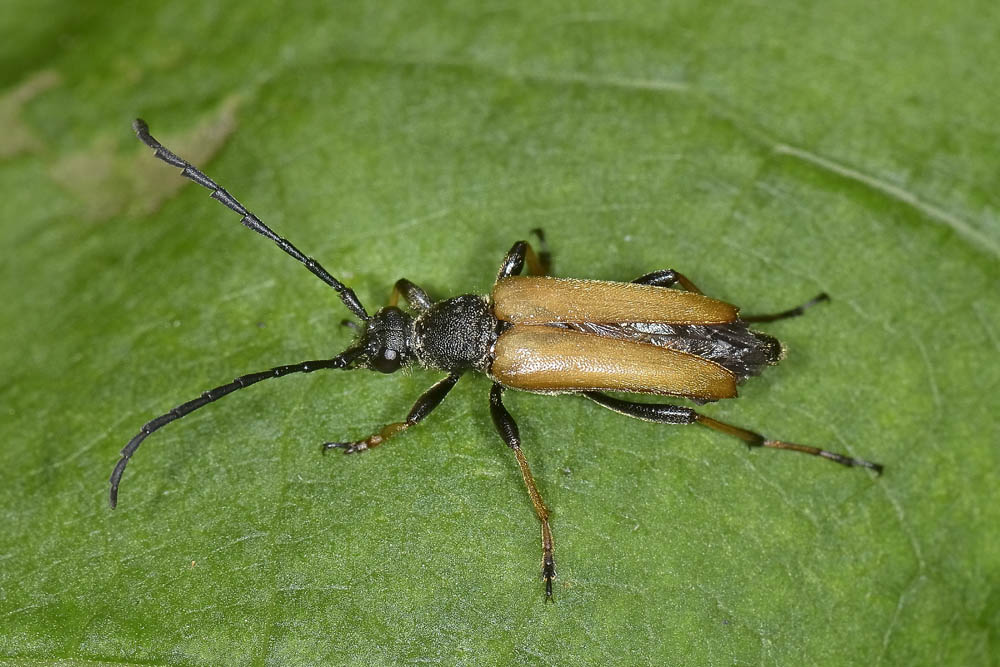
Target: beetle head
point(386, 343)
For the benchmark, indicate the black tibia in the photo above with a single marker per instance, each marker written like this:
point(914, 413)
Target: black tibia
point(667, 278)
point(413, 295)
point(429, 400)
point(507, 428)
point(249, 219)
point(791, 312)
point(661, 413)
point(666, 413)
point(521, 252)
point(212, 395)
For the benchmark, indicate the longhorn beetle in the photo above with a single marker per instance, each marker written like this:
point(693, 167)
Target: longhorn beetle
point(539, 334)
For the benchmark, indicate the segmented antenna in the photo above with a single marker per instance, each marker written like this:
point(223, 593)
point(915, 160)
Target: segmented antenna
point(250, 220)
point(212, 395)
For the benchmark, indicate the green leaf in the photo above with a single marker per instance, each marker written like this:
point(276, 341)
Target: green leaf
point(769, 151)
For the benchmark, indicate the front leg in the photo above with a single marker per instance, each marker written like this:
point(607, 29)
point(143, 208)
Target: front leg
point(414, 295)
point(427, 402)
point(507, 428)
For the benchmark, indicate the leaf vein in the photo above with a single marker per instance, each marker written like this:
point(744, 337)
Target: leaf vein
point(900, 194)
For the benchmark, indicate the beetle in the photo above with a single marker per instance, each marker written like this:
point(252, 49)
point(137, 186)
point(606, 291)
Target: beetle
point(655, 335)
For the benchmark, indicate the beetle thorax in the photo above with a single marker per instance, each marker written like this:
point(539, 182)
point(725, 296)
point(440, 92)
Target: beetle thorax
point(456, 334)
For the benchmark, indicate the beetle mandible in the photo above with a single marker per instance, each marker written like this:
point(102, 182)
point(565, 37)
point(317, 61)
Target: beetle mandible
point(539, 334)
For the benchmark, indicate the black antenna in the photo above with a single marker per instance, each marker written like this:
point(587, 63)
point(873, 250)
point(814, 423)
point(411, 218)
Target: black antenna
point(212, 395)
point(250, 220)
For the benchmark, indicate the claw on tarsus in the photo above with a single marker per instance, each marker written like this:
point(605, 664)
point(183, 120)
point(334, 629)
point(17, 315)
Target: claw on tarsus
point(548, 574)
point(348, 447)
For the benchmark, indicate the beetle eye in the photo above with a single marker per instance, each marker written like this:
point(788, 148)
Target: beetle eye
point(387, 360)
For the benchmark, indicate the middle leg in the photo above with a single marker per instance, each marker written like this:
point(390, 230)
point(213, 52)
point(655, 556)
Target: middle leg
point(507, 428)
point(429, 400)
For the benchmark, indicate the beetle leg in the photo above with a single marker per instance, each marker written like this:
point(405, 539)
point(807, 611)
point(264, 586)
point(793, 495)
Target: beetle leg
point(507, 428)
point(791, 312)
point(661, 413)
point(667, 278)
point(665, 413)
point(539, 263)
point(429, 400)
point(413, 295)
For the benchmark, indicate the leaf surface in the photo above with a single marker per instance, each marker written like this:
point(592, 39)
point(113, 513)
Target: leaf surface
point(768, 151)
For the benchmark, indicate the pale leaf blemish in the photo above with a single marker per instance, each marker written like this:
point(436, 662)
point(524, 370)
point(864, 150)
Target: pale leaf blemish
point(154, 181)
point(105, 183)
point(17, 137)
point(92, 176)
point(128, 71)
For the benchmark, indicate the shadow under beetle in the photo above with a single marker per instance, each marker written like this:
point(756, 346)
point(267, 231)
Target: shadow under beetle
point(539, 334)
